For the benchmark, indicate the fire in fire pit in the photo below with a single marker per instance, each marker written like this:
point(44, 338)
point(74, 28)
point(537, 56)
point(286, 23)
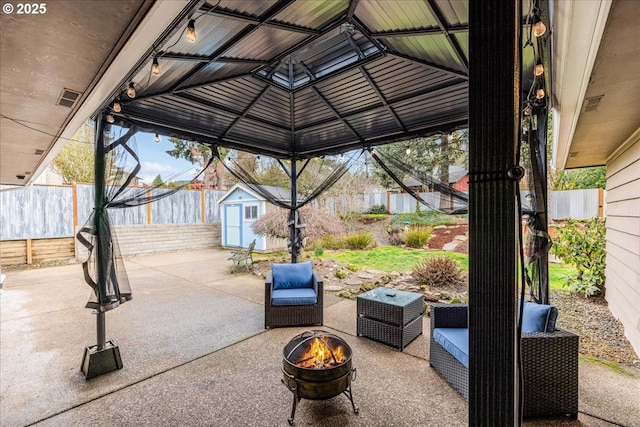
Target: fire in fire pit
point(316, 365)
point(320, 356)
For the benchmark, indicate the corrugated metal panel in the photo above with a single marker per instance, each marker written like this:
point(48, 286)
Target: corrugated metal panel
point(211, 207)
point(435, 48)
point(235, 95)
point(374, 123)
point(217, 71)
point(310, 109)
point(415, 111)
point(36, 212)
point(248, 130)
point(456, 12)
point(349, 93)
point(382, 16)
point(252, 8)
point(312, 14)
point(274, 107)
point(397, 78)
point(335, 132)
point(130, 216)
point(265, 43)
point(182, 207)
point(576, 204)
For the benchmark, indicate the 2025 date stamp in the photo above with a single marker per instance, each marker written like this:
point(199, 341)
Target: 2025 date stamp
point(24, 8)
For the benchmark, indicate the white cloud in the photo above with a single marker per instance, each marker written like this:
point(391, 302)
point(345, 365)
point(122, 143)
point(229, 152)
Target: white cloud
point(149, 171)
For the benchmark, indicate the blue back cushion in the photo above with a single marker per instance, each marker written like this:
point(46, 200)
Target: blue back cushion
point(538, 317)
point(292, 276)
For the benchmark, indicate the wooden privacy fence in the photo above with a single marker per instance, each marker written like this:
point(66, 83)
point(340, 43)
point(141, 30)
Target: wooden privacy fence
point(38, 223)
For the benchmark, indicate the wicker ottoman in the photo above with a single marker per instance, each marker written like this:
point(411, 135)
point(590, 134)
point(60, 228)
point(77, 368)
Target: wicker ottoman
point(389, 316)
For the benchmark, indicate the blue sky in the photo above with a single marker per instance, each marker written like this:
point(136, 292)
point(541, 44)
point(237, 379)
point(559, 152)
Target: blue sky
point(154, 160)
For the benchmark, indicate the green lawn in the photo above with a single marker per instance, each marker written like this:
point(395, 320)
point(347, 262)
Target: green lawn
point(393, 258)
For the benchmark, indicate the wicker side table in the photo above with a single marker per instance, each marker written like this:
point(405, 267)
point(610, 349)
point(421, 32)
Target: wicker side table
point(389, 316)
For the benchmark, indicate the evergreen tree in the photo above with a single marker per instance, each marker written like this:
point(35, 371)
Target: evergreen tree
point(158, 182)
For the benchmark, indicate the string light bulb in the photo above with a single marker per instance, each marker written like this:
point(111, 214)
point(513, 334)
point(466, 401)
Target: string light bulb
point(131, 91)
point(157, 138)
point(408, 150)
point(155, 67)
point(191, 31)
point(538, 70)
point(540, 93)
point(116, 106)
point(341, 157)
point(538, 26)
point(110, 118)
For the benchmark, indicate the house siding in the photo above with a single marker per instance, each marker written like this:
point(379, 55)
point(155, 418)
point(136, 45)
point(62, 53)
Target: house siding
point(623, 239)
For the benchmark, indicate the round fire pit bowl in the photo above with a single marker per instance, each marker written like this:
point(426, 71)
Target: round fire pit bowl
point(316, 365)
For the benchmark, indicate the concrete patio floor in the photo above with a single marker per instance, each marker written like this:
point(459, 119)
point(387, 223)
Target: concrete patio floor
point(195, 352)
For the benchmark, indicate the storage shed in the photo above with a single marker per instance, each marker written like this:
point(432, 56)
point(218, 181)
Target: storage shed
point(239, 208)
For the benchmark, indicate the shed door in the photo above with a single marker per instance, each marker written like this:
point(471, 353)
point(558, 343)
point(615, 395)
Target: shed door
point(233, 235)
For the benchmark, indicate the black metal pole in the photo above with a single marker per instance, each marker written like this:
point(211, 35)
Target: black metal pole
point(105, 355)
point(494, 89)
point(99, 201)
point(293, 230)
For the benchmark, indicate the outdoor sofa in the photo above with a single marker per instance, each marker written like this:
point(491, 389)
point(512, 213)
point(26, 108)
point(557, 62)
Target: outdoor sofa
point(549, 358)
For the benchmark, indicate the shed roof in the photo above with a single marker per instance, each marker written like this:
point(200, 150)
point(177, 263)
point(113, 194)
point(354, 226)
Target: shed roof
point(280, 193)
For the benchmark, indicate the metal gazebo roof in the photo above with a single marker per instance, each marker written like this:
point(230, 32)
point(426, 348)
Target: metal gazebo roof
point(294, 78)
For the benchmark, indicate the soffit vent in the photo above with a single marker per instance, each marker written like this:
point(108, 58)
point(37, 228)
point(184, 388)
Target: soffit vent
point(591, 103)
point(68, 97)
point(38, 152)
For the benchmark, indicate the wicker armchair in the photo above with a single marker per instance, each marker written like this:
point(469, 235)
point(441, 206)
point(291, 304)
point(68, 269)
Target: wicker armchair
point(291, 313)
point(549, 360)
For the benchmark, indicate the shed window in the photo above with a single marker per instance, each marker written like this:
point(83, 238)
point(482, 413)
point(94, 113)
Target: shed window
point(251, 212)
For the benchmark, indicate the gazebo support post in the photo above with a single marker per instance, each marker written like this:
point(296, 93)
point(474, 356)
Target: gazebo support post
point(494, 103)
point(103, 357)
point(293, 217)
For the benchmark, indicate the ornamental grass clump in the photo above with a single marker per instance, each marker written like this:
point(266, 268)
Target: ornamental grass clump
point(439, 272)
point(359, 240)
point(417, 237)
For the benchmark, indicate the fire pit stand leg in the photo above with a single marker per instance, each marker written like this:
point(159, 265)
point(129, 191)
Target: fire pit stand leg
point(292, 385)
point(348, 393)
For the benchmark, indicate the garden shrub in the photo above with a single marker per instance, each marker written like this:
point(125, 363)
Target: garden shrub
point(582, 245)
point(377, 209)
point(439, 271)
point(318, 251)
point(329, 242)
point(359, 240)
point(396, 239)
point(341, 274)
point(318, 223)
point(417, 237)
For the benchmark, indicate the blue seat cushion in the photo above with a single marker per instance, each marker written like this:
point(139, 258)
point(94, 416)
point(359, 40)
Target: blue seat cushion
point(455, 341)
point(538, 317)
point(299, 296)
point(292, 276)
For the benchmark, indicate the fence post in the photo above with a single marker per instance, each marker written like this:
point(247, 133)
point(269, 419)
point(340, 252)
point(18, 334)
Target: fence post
point(149, 220)
point(29, 253)
point(600, 202)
